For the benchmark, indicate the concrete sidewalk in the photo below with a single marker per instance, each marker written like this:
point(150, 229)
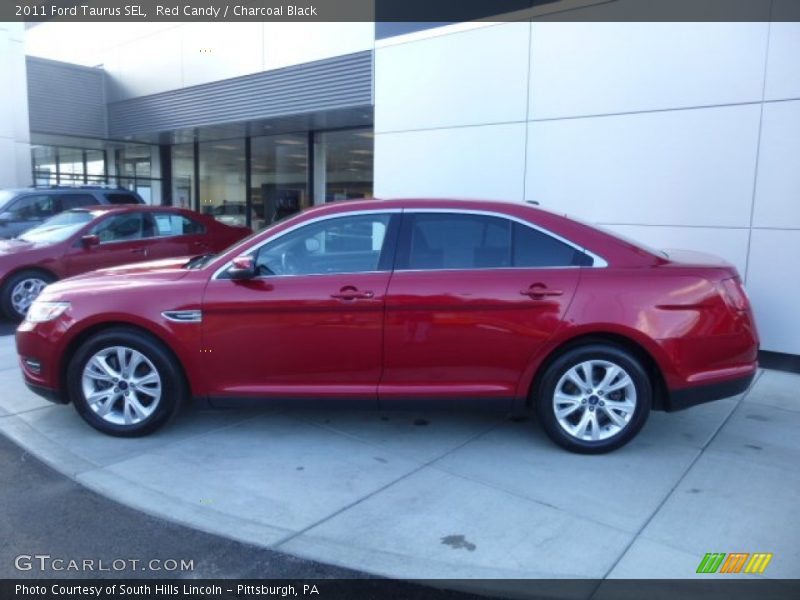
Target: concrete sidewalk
point(435, 495)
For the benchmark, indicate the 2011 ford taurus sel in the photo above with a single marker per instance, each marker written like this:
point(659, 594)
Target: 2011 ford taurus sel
point(385, 300)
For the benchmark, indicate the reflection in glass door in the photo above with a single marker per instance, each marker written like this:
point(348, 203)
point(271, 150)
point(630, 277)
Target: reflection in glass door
point(343, 165)
point(278, 177)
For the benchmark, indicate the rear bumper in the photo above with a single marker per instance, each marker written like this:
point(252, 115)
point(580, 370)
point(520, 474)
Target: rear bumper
point(700, 394)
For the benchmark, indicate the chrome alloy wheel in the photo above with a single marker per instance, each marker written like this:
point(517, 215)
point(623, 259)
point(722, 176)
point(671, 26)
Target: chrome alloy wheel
point(594, 400)
point(121, 385)
point(24, 293)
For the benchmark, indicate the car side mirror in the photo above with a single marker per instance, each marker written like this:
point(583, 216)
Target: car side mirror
point(6, 217)
point(90, 240)
point(242, 267)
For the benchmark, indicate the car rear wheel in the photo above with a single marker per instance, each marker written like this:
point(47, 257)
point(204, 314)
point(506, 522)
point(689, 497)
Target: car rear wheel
point(125, 383)
point(20, 291)
point(594, 398)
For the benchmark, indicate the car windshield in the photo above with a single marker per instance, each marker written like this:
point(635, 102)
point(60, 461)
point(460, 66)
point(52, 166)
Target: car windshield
point(5, 196)
point(58, 228)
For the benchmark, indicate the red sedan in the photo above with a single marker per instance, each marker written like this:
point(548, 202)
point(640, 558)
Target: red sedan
point(382, 301)
point(85, 239)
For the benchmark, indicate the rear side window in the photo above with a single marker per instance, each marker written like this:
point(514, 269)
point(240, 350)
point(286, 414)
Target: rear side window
point(122, 198)
point(69, 201)
point(454, 241)
point(168, 224)
point(463, 241)
point(534, 249)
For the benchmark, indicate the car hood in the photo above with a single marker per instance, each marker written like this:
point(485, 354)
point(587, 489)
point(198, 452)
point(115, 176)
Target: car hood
point(123, 277)
point(15, 246)
point(167, 268)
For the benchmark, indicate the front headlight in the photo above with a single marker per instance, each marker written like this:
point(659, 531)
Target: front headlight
point(42, 311)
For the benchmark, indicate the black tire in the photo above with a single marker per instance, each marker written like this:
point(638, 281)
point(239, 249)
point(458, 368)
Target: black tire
point(603, 353)
point(174, 391)
point(6, 301)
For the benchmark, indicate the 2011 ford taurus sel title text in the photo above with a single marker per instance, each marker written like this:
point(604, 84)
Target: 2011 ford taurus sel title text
point(385, 300)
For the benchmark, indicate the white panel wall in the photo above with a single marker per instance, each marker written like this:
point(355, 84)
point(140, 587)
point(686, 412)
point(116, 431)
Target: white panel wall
point(682, 167)
point(461, 162)
point(783, 74)
point(486, 69)
point(778, 183)
point(287, 44)
point(15, 157)
point(214, 51)
point(145, 65)
point(601, 68)
point(147, 58)
point(773, 283)
point(680, 134)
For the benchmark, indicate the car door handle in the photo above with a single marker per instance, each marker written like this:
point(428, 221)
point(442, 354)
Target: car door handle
point(142, 251)
point(539, 290)
point(351, 293)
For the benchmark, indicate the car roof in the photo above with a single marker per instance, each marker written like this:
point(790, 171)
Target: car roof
point(123, 208)
point(443, 203)
point(70, 189)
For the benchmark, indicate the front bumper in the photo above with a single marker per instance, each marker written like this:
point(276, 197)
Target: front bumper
point(40, 344)
point(700, 394)
point(46, 393)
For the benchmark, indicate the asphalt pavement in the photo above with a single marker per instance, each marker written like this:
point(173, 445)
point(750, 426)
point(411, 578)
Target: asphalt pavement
point(45, 513)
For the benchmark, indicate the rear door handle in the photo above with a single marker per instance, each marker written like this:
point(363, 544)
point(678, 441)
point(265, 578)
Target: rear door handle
point(142, 251)
point(351, 293)
point(539, 290)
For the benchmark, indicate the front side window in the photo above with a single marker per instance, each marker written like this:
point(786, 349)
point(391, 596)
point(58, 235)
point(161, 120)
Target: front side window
point(446, 241)
point(125, 227)
point(351, 244)
point(171, 224)
point(33, 208)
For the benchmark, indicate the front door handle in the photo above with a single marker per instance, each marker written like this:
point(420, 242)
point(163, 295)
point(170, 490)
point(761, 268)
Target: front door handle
point(539, 290)
point(352, 293)
point(142, 251)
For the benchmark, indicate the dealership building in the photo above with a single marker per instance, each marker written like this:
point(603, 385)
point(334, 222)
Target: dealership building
point(677, 134)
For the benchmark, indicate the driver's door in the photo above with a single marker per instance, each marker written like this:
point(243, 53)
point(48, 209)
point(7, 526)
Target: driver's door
point(310, 324)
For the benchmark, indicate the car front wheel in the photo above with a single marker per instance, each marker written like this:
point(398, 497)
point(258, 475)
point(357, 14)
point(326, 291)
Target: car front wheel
point(20, 291)
point(125, 383)
point(594, 398)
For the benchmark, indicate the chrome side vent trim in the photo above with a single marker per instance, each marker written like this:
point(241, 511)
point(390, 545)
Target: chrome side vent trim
point(183, 316)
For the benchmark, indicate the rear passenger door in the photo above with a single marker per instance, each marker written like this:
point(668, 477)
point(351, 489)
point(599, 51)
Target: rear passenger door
point(177, 235)
point(472, 298)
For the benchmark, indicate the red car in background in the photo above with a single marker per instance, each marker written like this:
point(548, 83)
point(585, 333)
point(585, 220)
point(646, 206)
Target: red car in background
point(90, 238)
point(383, 301)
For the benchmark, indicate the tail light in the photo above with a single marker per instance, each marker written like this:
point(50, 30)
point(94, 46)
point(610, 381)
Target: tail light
point(734, 294)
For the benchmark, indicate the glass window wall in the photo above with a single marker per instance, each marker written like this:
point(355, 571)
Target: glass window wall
point(222, 181)
point(343, 165)
point(183, 192)
point(278, 177)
